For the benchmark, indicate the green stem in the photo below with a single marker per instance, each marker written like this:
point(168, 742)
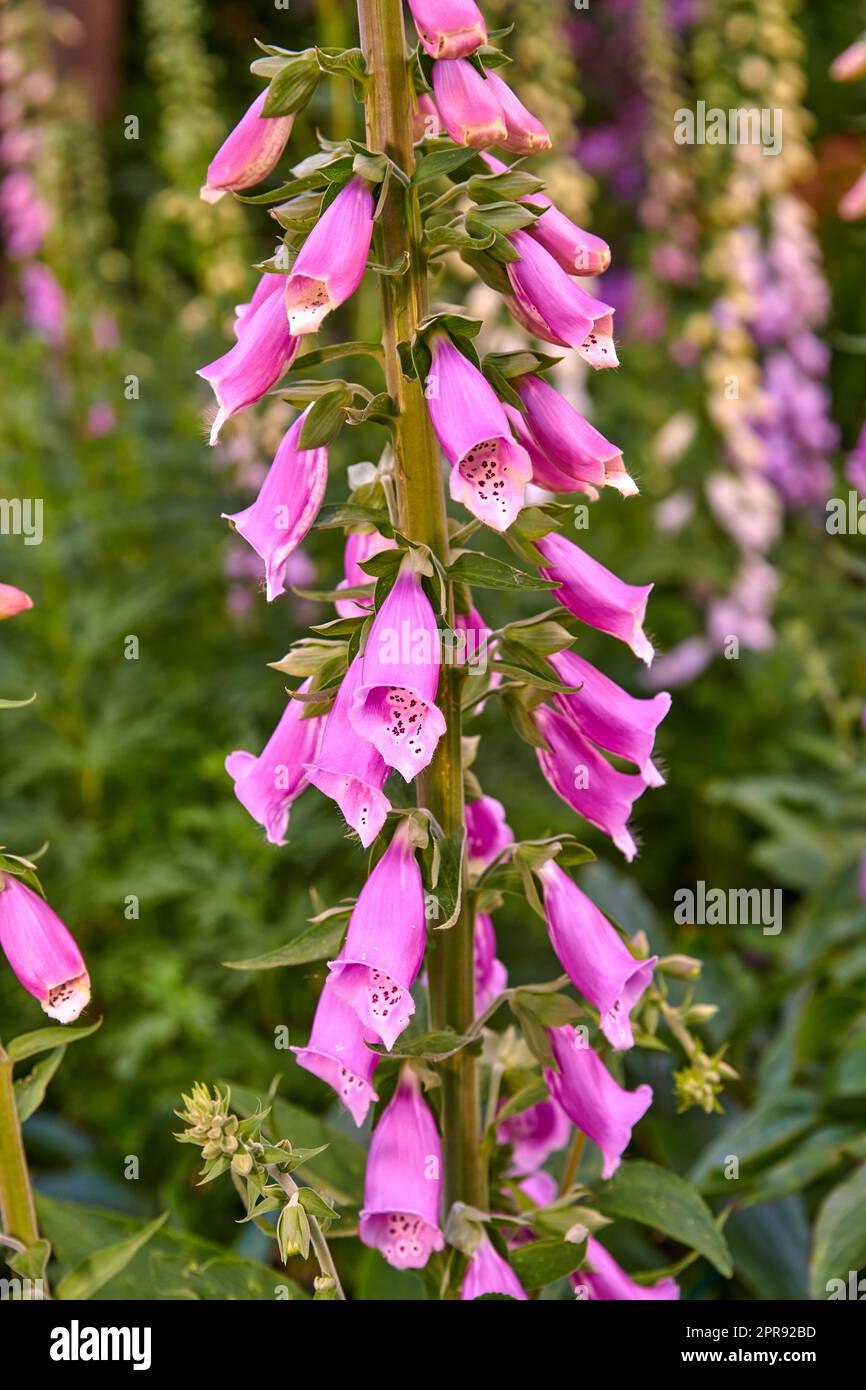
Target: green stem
point(17, 1208)
point(421, 498)
point(320, 1246)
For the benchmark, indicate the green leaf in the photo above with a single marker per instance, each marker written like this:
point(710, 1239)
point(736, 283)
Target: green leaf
point(502, 218)
point(349, 514)
point(30, 1090)
point(43, 1039)
point(345, 62)
point(661, 1199)
point(431, 1047)
point(97, 1269)
point(325, 420)
point(493, 188)
point(438, 162)
point(17, 704)
point(530, 1094)
point(475, 568)
point(540, 635)
point(291, 88)
point(544, 1261)
point(447, 878)
point(839, 1241)
point(319, 942)
point(551, 1010)
point(756, 1136)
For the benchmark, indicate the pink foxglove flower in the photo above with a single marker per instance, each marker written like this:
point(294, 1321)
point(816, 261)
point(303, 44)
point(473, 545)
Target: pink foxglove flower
point(359, 547)
point(491, 976)
point(269, 283)
point(489, 469)
point(338, 1054)
point(535, 1133)
point(331, 263)
point(850, 64)
point(585, 780)
point(403, 1182)
point(555, 308)
point(488, 1272)
point(348, 769)
point(425, 119)
point(524, 132)
point(448, 28)
point(13, 601)
point(576, 251)
point(467, 104)
point(267, 785)
point(381, 956)
point(542, 1189)
point(545, 473)
point(286, 507)
point(604, 1279)
point(610, 717)
point(571, 443)
point(263, 352)
point(598, 1105)
point(249, 153)
point(42, 951)
point(394, 708)
point(593, 955)
point(487, 833)
point(595, 595)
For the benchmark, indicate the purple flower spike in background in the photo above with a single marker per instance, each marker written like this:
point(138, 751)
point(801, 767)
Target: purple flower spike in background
point(448, 28)
point(598, 1105)
point(42, 952)
point(525, 133)
point(338, 1054)
point(348, 769)
point(331, 263)
point(595, 595)
point(488, 1272)
point(467, 104)
point(249, 153)
point(610, 717)
point(403, 1183)
point(263, 352)
point(267, 785)
point(603, 1278)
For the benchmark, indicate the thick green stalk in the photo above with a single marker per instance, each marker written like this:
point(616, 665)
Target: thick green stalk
point(421, 499)
point(17, 1208)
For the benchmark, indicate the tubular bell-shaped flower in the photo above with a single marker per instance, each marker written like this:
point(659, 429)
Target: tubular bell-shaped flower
point(571, 443)
point(331, 263)
point(525, 133)
point(249, 153)
point(13, 601)
point(535, 1133)
point(545, 473)
point(267, 785)
point(394, 707)
point(360, 546)
point(489, 469)
point(350, 770)
point(467, 104)
point(338, 1054)
point(488, 1272)
point(269, 283)
point(576, 251)
point(595, 595)
point(608, 716)
point(384, 945)
point(448, 28)
point(42, 952)
point(598, 1105)
point(491, 976)
point(593, 954)
point(263, 352)
point(487, 832)
point(403, 1182)
point(604, 1279)
point(286, 507)
point(554, 308)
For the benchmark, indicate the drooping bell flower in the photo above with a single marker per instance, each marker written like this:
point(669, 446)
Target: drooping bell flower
point(595, 595)
point(448, 28)
point(331, 263)
point(491, 976)
point(338, 1054)
point(487, 833)
point(488, 1272)
point(525, 133)
point(576, 251)
point(394, 708)
point(558, 310)
point(591, 1098)
point(13, 601)
point(359, 547)
point(249, 153)
point(384, 946)
point(473, 645)
point(403, 1181)
point(267, 785)
point(610, 717)
point(263, 352)
point(467, 104)
point(545, 473)
point(571, 443)
point(269, 283)
point(42, 951)
point(604, 1279)
point(350, 770)
point(593, 955)
point(542, 1189)
point(586, 781)
point(286, 507)
point(535, 1133)
point(489, 469)
point(425, 119)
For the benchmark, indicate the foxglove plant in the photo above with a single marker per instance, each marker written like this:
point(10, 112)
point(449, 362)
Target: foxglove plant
point(391, 684)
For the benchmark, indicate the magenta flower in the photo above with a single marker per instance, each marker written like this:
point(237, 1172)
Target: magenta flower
point(263, 352)
point(394, 708)
point(572, 444)
point(488, 1272)
point(249, 153)
point(269, 283)
point(555, 308)
point(286, 507)
point(348, 769)
point(13, 601)
point(487, 833)
point(850, 64)
point(535, 1133)
point(544, 472)
point(338, 1054)
point(467, 104)
point(542, 1189)
point(593, 955)
point(590, 1097)
point(576, 251)
point(524, 132)
point(267, 785)
point(403, 1182)
point(585, 780)
point(359, 547)
point(603, 1279)
point(381, 956)
point(595, 595)
point(448, 28)
point(610, 717)
point(491, 976)
point(331, 263)
point(42, 951)
point(489, 469)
